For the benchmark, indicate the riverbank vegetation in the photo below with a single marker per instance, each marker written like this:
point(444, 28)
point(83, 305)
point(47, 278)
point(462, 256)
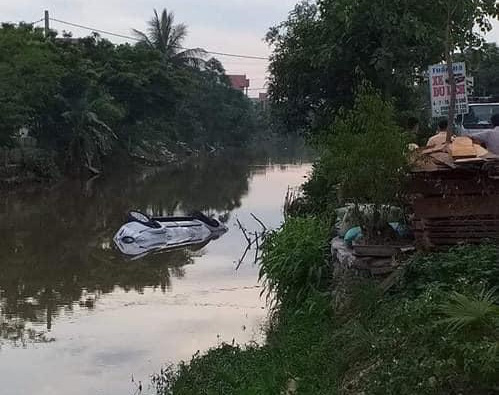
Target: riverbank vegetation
point(436, 332)
point(85, 100)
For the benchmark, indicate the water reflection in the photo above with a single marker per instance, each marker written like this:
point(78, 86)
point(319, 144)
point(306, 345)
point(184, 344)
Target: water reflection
point(56, 252)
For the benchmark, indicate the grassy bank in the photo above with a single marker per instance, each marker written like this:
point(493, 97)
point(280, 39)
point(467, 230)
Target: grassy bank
point(437, 332)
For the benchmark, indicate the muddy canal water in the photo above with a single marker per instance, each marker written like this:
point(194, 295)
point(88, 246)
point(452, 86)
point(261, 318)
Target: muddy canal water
point(78, 318)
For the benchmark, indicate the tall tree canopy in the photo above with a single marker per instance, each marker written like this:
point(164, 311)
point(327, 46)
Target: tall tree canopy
point(325, 48)
point(483, 65)
point(85, 99)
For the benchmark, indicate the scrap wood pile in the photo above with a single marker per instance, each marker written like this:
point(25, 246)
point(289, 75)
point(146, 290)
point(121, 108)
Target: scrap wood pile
point(462, 152)
point(455, 193)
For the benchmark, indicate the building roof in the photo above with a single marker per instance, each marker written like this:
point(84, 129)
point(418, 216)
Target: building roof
point(239, 81)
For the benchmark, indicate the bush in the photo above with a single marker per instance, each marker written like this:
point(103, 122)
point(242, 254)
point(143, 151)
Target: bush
point(294, 263)
point(227, 369)
point(363, 159)
point(457, 269)
point(42, 164)
point(438, 333)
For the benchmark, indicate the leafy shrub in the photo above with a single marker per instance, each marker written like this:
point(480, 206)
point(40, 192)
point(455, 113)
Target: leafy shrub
point(477, 313)
point(410, 350)
point(436, 334)
point(363, 159)
point(294, 261)
point(321, 189)
point(42, 164)
point(456, 269)
point(227, 369)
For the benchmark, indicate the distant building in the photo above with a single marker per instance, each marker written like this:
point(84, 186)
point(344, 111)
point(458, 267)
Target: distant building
point(239, 82)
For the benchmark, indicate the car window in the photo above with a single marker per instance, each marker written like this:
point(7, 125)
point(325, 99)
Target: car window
point(480, 115)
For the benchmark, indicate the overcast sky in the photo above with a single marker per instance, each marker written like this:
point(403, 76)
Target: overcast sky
point(235, 26)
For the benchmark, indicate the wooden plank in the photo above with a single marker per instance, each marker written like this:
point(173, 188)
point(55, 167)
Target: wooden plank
point(456, 206)
point(434, 148)
point(381, 262)
point(480, 151)
point(427, 164)
point(376, 271)
point(489, 221)
point(469, 160)
point(462, 147)
point(463, 235)
point(467, 185)
point(443, 158)
point(462, 222)
point(452, 241)
point(375, 250)
point(360, 265)
point(461, 231)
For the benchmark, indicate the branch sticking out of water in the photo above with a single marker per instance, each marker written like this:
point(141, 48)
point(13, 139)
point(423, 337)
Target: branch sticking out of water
point(253, 239)
point(243, 229)
point(260, 222)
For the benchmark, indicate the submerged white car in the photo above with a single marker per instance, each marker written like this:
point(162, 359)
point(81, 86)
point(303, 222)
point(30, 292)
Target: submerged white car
point(142, 235)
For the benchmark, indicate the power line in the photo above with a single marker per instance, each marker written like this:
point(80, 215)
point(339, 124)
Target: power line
point(237, 56)
point(38, 21)
point(95, 30)
point(137, 39)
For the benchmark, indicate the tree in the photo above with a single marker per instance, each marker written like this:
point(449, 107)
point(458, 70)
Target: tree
point(363, 161)
point(324, 50)
point(91, 137)
point(168, 38)
point(29, 78)
point(483, 65)
point(86, 99)
point(460, 19)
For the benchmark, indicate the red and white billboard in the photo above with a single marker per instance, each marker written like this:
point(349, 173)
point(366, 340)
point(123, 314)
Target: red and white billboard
point(440, 89)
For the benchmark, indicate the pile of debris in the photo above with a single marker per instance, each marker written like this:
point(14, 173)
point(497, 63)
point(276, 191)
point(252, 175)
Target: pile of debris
point(462, 152)
point(455, 193)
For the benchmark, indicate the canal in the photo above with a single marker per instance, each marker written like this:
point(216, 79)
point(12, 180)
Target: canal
point(76, 317)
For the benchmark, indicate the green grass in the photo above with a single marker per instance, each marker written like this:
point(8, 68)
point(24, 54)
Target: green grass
point(298, 348)
point(436, 333)
point(294, 266)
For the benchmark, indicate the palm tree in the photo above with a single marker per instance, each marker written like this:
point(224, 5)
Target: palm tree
point(167, 38)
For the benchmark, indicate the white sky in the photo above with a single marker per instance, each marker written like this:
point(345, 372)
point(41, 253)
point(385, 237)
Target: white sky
point(234, 26)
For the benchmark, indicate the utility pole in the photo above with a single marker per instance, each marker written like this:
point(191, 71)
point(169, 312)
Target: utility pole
point(47, 24)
